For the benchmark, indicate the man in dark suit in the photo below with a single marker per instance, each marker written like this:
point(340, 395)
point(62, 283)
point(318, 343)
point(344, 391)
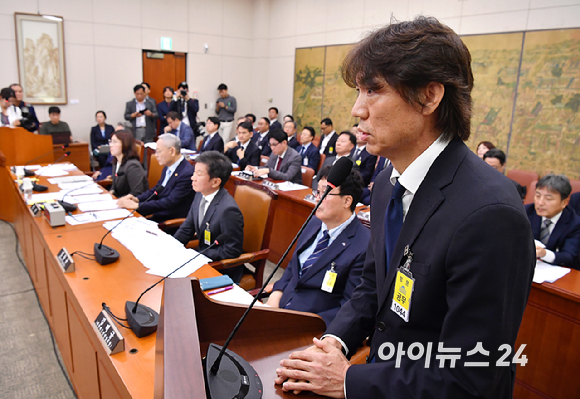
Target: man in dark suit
point(273, 115)
point(334, 241)
point(345, 143)
point(212, 141)
point(496, 159)
point(556, 227)
point(381, 165)
point(142, 114)
point(187, 107)
point(262, 137)
point(214, 212)
point(285, 162)
point(328, 138)
point(175, 199)
point(308, 151)
point(450, 259)
point(290, 130)
point(243, 151)
point(363, 161)
point(176, 126)
point(575, 203)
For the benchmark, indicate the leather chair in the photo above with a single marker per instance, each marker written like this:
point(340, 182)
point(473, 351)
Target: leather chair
point(255, 202)
point(524, 177)
point(140, 149)
point(322, 159)
point(307, 176)
point(575, 185)
point(263, 160)
point(154, 173)
point(530, 193)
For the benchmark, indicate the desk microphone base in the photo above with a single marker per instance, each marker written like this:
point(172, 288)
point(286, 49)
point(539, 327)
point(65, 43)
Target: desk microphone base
point(144, 321)
point(105, 255)
point(236, 378)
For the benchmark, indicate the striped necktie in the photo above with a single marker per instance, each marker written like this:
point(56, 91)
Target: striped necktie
point(545, 232)
point(318, 251)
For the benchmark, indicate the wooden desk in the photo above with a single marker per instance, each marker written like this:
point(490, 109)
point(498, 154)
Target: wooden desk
point(551, 330)
point(79, 155)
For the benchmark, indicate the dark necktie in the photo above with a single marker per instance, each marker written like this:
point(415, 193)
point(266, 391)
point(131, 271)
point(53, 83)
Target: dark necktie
point(278, 163)
point(318, 251)
point(205, 142)
point(545, 232)
point(201, 213)
point(302, 151)
point(393, 220)
point(357, 154)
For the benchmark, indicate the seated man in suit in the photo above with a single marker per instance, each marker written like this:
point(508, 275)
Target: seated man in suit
point(290, 129)
point(214, 212)
point(344, 144)
point(212, 141)
point(328, 138)
point(262, 137)
point(308, 151)
point(175, 198)
point(363, 161)
point(381, 164)
point(285, 162)
point(273, 116)
point(177, 127)
point(334, 241)
point(243, 151)
point(556, 226)
point(575, 203)
point(496, 158)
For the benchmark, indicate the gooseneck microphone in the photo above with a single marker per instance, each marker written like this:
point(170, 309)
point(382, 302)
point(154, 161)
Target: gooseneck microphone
point(40, 187)
point(142, 319)
point(29, 173)
point(240, 373)
point(104, 254)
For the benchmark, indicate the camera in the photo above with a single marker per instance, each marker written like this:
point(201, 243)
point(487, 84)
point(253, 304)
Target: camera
point(183, 93)
point(26, 122)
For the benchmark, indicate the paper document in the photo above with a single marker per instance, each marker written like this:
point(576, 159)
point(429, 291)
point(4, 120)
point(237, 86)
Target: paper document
point(152, 145)
point(34, 198)
point(289, 186)
point(236, 295)
point(29, 167)
point(80, 199)
point(77, 184)
point(70, 179)
point(155, 249)
point(92, 217)
point(92, 189)
point(98, 206)
point(545, 272)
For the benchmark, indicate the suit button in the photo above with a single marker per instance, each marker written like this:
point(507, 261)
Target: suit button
point(381, 326)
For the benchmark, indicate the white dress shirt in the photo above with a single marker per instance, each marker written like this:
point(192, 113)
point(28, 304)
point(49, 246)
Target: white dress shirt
point(325, 140)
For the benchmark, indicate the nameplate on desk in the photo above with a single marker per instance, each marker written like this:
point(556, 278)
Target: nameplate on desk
point(108, 334)
point(36, 210)
point(65, 261)
point(270, 184)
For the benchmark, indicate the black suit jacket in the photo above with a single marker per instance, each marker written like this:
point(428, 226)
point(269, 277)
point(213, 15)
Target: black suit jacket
point(366, 195)
point(223, 216)
point(97, 138)
point(263, 144)
point(347, 253)
point(311, 157)
point(251, 156)
point(192, 108)
point(129, 179)
point(275, 125)
point(330, 149)
point(150, 121)
point(565, 238)
point(473, 264)
point(365, 164)
point(175, 199)
point(293, 142)
point(215, 144)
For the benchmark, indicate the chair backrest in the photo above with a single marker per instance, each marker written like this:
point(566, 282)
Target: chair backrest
point(307, 175)
point(316, 141)
point(154, 173)
point(524, 177)
point(255, 205)
point(530, 193)
point(322, 159)
point(575, 185)
point(263, 160)
point(140, 149)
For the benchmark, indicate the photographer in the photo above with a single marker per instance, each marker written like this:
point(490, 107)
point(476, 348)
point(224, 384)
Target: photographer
point(10, 115)
point(29, 120)
point(185, 106)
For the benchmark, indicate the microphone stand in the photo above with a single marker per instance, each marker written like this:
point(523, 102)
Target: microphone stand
point(29, 173)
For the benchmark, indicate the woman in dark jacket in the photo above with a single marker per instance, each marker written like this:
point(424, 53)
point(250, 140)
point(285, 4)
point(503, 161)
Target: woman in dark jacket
point(100, 135)
point(128, 175)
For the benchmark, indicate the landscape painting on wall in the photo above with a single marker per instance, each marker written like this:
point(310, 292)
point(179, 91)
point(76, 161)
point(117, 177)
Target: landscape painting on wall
point(40, 49)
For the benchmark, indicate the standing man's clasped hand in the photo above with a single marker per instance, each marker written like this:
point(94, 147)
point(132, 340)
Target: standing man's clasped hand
point(320, 369)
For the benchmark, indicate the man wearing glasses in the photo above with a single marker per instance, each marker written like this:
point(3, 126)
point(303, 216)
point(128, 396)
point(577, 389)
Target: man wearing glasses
point(329, 257)
point(285, 162)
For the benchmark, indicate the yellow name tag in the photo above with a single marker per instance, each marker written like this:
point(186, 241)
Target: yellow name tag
point(207, 237)
point(330, 149)
point(404, 285)
point(358, 162)
point(329, 281)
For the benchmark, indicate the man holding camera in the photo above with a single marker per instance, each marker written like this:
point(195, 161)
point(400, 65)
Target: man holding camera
point(29, 119)
point(185, 106)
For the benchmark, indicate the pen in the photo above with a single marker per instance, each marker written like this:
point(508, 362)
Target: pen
point(150, 232)
point(218, 290)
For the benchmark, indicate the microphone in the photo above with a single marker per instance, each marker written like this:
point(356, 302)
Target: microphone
point(40, 187)
point(29, 173)
point(142, 319)
point(104, 254)
point(239, 371)
point(67, 205)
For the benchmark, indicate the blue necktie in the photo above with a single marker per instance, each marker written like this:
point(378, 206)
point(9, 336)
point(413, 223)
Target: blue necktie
point(393, 220)
point(320, 248)
point(303, 150)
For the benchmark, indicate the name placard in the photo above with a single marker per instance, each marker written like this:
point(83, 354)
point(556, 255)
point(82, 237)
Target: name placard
point(108, 334)
point(65, 261)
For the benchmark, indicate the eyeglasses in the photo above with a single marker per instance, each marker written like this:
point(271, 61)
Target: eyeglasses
point(318, 193)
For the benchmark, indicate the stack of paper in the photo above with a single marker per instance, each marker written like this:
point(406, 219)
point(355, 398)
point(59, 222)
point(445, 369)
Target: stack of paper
point(156, 250)
point(545, 272)
point(92, 217)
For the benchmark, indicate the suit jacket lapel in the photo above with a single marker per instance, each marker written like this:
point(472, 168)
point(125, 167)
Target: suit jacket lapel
point(195, 207)
point(174, 175)
point(559, 229)
point(212, 207)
